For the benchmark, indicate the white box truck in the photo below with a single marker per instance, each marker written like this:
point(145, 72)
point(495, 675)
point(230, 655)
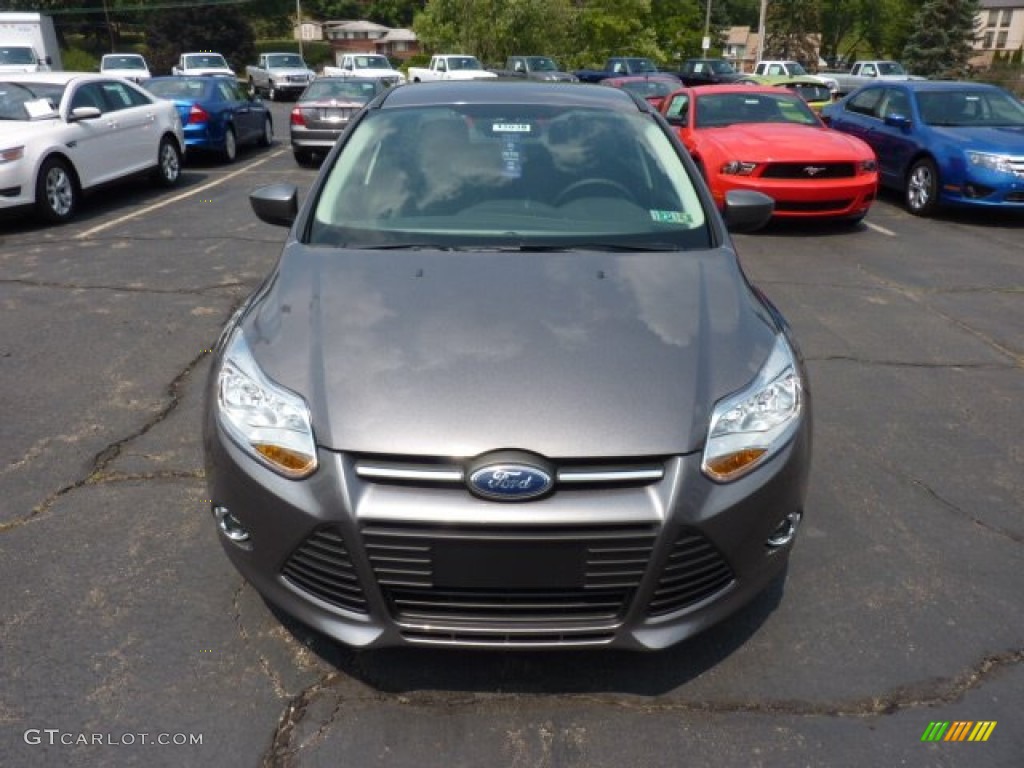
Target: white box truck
point(28, 43)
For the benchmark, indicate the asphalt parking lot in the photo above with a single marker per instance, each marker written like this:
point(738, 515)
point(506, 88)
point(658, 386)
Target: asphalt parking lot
point(128, 639)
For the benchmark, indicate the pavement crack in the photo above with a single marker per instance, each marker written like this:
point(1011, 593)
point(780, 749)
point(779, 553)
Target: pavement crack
point(97, 472)
point(281, 751)
point(275, 680)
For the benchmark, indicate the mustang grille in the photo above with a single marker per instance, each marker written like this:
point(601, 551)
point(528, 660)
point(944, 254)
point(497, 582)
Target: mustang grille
point(321, 567)
point(813, 206)
point(508, 576)
point(695, 571)
point(810, 171)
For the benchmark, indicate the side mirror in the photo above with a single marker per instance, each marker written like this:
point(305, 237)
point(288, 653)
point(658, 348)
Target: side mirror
point(747, 210)
point(898, 121)
point(84, 113)
point(276, 204)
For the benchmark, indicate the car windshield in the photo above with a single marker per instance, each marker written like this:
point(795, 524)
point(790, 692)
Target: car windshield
point(531, 177)
point(890, 68)
point(650, 88)
point(206, 61)
point(123, 62)
point(24, 101)
point(541, 64)
point(795, 68)
point(372, 62)
point(810, 91)
point(717, 110)
point(722, 68)
point(190, 88)
point(17, 54)
point(962, 108)
point(641, 65)
point(341, 90)
point(463, 62)
point(286, 60)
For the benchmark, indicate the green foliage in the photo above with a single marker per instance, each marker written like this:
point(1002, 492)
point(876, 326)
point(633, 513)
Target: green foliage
point(77, 60)
point(606, 28)
point(491, 30)
point(224, 29)
point(940, 45)
point(791, 29)
point(679, 30)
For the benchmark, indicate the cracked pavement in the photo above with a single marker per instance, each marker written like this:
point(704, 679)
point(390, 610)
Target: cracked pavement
point(121, 615)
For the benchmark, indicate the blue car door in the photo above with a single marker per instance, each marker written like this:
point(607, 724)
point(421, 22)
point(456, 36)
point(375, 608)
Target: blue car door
point(895, 138)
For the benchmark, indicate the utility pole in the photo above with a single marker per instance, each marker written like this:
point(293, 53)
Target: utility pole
point(761, 31)
point(298, 25)
point(706, 42)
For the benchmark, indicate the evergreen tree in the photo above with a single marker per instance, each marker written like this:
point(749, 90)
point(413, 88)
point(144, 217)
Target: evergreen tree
point(942, 40)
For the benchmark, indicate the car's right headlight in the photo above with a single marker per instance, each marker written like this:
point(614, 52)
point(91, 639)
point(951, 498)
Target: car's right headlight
point(749, 426)
point(993, 162)
point(271, 423)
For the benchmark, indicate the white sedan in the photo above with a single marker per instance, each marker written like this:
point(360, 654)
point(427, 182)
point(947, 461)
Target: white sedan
point(63, 133)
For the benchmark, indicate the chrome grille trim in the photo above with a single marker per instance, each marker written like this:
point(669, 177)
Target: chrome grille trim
point(569, 473)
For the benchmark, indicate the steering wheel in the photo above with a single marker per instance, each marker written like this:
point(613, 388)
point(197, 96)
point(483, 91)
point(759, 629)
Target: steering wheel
point(574, 190)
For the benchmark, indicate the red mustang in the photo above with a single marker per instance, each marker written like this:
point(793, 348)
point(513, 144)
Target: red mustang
point(769, 140)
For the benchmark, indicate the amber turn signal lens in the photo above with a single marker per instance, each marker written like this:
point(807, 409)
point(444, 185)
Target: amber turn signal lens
point(733, 464)
point(291, 463)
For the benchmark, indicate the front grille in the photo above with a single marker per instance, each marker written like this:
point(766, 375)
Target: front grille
point(321, 566)
point(694, 571)
point(815, 206)
point(809, 171)
point(507, 576)
point(437, 636)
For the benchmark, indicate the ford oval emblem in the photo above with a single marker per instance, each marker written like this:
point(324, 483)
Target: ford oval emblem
point(508, 481)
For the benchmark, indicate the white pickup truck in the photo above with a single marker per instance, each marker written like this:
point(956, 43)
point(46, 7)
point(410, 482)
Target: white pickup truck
point(451, 66)
point(279, 74)
point(365, 65)
point(864, 72)
point(202, 63)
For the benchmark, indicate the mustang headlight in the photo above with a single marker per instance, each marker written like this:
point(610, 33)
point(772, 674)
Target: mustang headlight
point(738, 168)
point(999, 163)
point(749, 426)
point(268, 421)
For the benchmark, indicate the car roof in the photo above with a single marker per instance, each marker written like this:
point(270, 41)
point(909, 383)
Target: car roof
point(57, 78)
point(509, 92)
point(941, 85)
point(703, 90)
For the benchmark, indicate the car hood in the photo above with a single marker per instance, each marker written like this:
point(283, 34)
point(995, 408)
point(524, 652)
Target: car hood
point(1008, 138)
point(289, 71)
point(783, 142)
point(566, 354)
point(28, 130)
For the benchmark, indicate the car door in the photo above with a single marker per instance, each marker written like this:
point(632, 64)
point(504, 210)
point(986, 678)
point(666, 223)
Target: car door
point(133, 116)
point(240, 107)
point(92, 143)
point(895, 137)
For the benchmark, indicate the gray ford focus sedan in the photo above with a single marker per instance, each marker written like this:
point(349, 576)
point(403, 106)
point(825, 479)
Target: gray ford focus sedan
point(508, 385)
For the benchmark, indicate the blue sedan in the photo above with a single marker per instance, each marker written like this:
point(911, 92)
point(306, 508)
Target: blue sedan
point(218, 113)
point(940, 142)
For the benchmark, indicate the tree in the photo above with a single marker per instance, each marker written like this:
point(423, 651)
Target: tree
point(943, 37)
point(224, 29)
point(792, 29)
point(606, 28)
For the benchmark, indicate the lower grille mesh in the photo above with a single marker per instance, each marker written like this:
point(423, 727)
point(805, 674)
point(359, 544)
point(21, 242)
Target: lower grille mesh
point(321, 566)
point(694, 571)
point(508, 576)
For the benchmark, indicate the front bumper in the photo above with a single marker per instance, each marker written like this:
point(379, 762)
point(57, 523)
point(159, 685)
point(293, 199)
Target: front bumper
point(835, 198)
point(375, 563)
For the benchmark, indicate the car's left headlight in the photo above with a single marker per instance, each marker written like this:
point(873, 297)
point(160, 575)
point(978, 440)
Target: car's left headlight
point(999, 163)
point(269, 422)
point(749, 426)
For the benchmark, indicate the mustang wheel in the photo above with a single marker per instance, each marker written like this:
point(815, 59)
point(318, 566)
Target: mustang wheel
point(922, 192)
point(56, 191)
point(168, 164)
point(230, 151)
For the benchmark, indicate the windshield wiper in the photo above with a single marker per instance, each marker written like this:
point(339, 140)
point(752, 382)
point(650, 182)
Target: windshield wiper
point(606, 247)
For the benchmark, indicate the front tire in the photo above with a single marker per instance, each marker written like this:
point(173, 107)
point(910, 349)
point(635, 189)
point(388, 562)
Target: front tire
point(268, 133)
point(168, 163)
point(922, 188)
point(230, 151)
point(56, 191)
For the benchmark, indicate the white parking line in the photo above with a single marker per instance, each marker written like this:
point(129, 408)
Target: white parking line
point(176, 198)
point(879, 229)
